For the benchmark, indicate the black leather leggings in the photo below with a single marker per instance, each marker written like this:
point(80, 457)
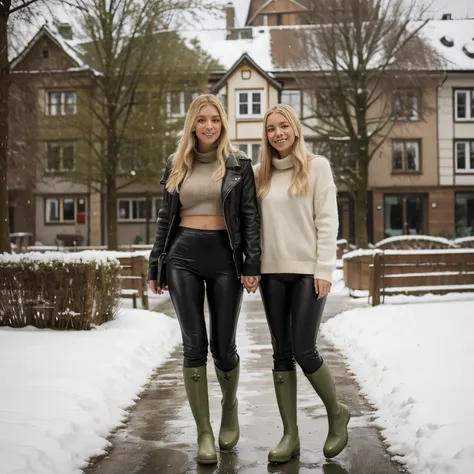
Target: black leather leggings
point(197, 257)
point(294, 315)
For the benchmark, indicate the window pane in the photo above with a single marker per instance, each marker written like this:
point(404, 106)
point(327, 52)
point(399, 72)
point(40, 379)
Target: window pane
point(464, 214)
point(255, 152)
point(412, 106)
point(413, 156)
point(461, 99)
point(461, 155)
point(256, 109)
point(396, 105)
point(243, 109)
point(175, 103)
point(471, 159)
point(415, 215)
point(472, 104)
point(397, 156)
point(54, 103)
point(141, 209)
point(293, 99)
point(243, 103)
point(393, 216)
point(68, 209)
point(53, 160)
point(68, 156)
point(256, 103)
point(124, 209)
point(243, 147)
point(69, 103)
point(52, 210)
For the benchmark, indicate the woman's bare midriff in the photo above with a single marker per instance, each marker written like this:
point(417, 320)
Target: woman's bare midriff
point(203, 222)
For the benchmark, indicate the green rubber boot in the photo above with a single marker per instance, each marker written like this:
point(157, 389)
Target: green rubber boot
point(229, 433)
point(195, 382)
point(285, 389)
point(338, 413)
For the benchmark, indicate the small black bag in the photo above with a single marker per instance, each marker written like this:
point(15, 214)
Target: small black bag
point(161, 278)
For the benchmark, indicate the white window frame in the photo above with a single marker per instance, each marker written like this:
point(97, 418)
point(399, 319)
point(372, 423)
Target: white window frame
point(250, 104)
point(130, 209)
point(468, 151)
point(60, 209)
point(293, 92)
point(62, 103)
point(469, 105)
point(61, 144)
point(248, 146)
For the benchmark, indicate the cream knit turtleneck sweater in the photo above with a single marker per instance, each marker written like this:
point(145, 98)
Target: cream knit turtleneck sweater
point(299, 233)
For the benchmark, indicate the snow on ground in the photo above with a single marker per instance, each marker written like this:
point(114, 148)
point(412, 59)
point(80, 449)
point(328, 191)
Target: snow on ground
point(414, 362)
point(64, 391)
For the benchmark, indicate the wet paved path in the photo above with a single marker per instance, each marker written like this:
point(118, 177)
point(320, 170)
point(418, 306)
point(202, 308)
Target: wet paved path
point(160, 436)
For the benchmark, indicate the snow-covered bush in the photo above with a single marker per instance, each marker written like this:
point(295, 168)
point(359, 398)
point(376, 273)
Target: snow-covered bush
point(58, 290)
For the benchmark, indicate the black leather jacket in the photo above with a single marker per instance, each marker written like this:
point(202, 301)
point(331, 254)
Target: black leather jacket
point(241, 214)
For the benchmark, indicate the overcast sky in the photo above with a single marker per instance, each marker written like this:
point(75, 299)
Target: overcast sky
point(458, 8)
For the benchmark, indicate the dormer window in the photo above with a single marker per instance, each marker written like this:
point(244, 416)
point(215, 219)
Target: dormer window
point(447, 41)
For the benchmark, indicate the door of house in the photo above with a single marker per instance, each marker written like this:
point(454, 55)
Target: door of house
point(404, 214)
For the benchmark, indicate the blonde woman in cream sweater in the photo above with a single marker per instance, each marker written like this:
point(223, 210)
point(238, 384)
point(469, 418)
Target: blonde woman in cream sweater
point(299, 224)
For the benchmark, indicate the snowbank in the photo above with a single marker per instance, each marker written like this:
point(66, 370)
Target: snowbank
point(414, 363)
point(63, 392)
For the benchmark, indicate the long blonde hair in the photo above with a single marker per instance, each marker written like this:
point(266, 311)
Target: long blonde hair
point(183, 159)
point(299, 182)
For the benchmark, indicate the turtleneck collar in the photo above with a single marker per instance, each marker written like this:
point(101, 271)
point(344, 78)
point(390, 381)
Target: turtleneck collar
point(283, 163)
point(208, 157)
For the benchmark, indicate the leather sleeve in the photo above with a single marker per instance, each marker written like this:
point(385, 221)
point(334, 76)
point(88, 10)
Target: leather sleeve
point(250, 222)
point(162, 225)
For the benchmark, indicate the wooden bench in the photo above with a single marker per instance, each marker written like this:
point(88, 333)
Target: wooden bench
point(421, 271)
point(133, 274)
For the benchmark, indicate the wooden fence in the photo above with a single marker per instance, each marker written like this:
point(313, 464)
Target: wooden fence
point(420, 272)
point(133, 274)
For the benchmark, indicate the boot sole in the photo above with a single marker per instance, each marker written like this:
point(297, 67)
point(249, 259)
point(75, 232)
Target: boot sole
point(339, 451)
point(207, 461)
point(294, 454)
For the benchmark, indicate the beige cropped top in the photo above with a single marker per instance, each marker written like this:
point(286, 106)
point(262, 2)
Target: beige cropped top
point(200, 195)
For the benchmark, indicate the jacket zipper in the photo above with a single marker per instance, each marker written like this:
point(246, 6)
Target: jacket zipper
point(236, 180)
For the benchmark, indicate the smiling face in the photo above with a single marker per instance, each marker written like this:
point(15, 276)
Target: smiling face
point(280, 134)
point(208, 127)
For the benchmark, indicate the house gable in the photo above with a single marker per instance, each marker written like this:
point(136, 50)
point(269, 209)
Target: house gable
point(44, 52)
point(289, 11)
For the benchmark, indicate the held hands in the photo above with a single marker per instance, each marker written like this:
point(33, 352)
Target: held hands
point(250, 283)
point(153, 284)
point(321, 287)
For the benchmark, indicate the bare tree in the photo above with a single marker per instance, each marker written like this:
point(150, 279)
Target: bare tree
point(9, 11)
point(361, 55)
point(135, 59)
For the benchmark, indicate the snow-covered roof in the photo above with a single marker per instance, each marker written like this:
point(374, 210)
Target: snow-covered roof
point(273, 48)
point(227, 52)
point(461, 32)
